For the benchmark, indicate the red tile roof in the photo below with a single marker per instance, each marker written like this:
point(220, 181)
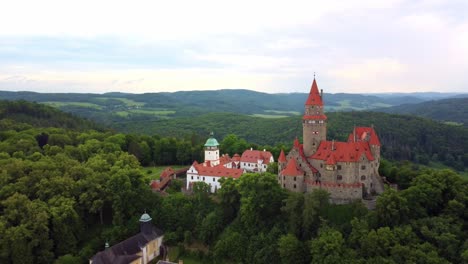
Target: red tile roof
point(331, 160)
point(291, 169)
point(343, 151)
point(362, 133)
point(167, 172)
point(224, 159)
point(218, 171)
point(252, 156)
point(282, 157)
point(314, 96)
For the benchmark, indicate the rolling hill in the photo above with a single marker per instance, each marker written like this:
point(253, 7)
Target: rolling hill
point(453, 110)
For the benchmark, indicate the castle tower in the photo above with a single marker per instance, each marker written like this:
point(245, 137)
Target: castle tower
point(212, 151)
point(314, 121)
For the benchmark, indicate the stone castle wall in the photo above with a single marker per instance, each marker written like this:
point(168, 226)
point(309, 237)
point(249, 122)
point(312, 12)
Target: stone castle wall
point(340, 193)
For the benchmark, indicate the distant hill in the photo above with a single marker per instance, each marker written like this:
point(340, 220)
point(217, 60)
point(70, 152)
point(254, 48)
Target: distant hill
point(39, 115)
point(111, 108)
point(446, 110)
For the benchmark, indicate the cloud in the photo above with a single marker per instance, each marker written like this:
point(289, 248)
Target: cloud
point(143, 46)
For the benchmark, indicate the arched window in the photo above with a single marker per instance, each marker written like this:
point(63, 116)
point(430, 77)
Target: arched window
point(363, 177)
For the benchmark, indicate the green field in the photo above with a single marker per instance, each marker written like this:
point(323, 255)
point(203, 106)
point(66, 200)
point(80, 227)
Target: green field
point(79, 104)
point(282, 112)
point(153, 112)
point(451, 123)
point(269, 116)
point(127, 102)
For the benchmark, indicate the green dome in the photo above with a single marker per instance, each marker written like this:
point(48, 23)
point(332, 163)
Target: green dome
point(145, 218)
point(211, 142)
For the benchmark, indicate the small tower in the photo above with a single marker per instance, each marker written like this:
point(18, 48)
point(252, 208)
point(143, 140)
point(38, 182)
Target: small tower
point(314, 121)
point(212, 151)
point(145, 224)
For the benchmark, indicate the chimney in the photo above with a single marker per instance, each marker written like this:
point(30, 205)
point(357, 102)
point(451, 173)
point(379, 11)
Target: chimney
point(321, 94)
point(354, 133)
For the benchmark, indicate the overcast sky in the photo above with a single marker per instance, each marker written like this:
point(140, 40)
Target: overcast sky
point(366, 46)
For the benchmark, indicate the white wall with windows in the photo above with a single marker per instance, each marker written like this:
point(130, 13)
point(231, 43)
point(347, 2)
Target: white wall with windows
point(213, 181)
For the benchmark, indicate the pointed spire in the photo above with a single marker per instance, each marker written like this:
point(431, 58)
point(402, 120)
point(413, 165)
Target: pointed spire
point(291, 169)
point(296, 143)
point(314, 95)
point(282, 157)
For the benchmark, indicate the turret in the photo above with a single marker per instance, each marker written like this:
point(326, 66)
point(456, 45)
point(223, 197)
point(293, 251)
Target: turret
point(281, 161)
point(314, 121)
point(212, 151)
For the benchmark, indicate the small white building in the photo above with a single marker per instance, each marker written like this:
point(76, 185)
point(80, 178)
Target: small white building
point(255, 160)
point(214, 168)
point(210, 175)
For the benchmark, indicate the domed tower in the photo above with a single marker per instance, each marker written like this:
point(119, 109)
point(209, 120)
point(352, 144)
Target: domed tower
point(212, 151)
point(314, 121)
point(145, 224)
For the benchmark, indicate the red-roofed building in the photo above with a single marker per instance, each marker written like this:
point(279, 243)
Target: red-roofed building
point(214, 168)
point(347, 170)
point(255, 160)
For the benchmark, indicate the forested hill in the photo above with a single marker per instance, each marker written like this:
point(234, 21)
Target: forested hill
point(403, 137)
point(115, 107)
point(39, 115)
point(447, 110)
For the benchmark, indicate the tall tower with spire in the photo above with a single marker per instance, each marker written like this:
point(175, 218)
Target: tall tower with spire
point(314, 121)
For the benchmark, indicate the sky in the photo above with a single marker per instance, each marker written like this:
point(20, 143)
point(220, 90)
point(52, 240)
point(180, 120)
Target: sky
point(352, 46)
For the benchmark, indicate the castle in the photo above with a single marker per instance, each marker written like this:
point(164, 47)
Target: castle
point(347, 170)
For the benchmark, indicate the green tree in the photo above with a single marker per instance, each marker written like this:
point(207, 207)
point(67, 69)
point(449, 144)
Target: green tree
point(291, 250)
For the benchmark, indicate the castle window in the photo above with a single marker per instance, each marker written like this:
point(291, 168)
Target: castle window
point(363, 177)
point(294, 186)
point(192, 177)
point(294, 178)
point(198, 177)
point(203, 178)
point(321, 165)
point(284, 178)
point(339, 167)
point(363, 167)
point(339, 177)
point(284, 185)
point(214, 179)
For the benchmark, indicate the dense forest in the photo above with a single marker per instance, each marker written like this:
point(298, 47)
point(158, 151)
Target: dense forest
point(65, 190)
point(403, 137)
point(448, 110)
